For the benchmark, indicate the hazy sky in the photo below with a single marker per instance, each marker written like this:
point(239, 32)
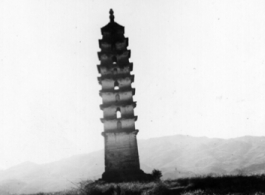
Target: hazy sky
point(199, 70)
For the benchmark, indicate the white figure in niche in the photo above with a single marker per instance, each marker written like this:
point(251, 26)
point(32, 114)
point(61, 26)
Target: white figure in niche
point(118, 114)
point(116, 85)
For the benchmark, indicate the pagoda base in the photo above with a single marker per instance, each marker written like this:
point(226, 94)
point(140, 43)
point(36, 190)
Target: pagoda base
point(126, 176)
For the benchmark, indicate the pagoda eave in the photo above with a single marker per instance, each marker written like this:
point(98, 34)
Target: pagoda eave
point(121, 104)
point(103, 106)
point(135, 131)
point(117, 91)
point(119, 119)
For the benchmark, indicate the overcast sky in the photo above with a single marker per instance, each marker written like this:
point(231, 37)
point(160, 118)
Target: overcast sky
point(199, 70)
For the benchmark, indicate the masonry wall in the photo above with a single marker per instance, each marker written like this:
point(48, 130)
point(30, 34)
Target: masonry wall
point(121, 152)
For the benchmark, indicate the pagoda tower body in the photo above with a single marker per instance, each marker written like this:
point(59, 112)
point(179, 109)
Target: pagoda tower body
point(121, 151)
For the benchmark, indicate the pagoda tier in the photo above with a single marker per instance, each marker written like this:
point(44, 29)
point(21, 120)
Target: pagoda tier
point(112, 95)
point(119, 44)
point(121, 57)
point(126, 109)
point(119, 124)
point(116, 80)
point(115, 69)
point(121, 151)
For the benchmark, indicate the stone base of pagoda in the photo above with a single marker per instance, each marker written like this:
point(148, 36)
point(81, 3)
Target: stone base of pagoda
point(126, 176)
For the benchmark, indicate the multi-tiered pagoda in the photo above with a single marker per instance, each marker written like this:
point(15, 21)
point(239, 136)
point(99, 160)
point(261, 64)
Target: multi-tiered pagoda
point(121, 151)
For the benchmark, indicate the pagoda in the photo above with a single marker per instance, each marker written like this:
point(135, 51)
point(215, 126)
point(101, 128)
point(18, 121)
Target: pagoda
point(121, 151)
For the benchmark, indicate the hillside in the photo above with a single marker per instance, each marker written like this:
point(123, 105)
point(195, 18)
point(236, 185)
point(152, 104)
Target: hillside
point(177, 156)
point(181, 155)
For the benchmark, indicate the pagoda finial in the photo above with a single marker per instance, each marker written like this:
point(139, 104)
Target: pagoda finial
point(111, 17)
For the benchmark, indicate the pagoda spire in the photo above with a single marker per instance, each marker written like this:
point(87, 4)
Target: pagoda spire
point(111, 17)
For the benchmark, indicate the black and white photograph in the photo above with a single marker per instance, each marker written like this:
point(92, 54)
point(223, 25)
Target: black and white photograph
point(130, 97)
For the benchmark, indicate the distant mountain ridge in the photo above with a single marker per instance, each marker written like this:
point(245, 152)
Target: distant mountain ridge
point(177, 156)
point(201, 155)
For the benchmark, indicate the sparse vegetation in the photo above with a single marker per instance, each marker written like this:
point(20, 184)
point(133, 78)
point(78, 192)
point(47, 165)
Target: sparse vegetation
point(204, 185)
point(157, 174)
